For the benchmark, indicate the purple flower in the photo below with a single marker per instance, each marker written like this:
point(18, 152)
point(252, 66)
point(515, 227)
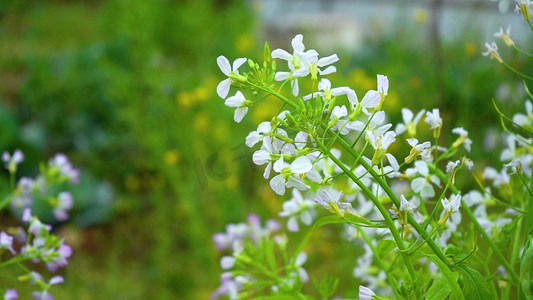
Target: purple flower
point(36, 226)
point(59, 260)
point(62, 164)
point(11, 294)
point(6, 242)
point(64, 204)
point(44, 294)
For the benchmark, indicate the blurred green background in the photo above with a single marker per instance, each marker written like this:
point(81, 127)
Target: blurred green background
point(126, 88)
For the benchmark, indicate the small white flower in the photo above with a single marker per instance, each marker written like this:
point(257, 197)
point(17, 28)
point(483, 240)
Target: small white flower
point(498, 179)
point(433, 118)
point(505, 36)
point(418, 149)
point(327, 93)
point(451, 165)
point(463, 138)
point(329, 198)
point(451, 205)
point(11, 161)
point(406, 206)
point(409, 122)
point(525, 120)
point(290, 174)
point(241, 105)
point(492, 51)
point(297, 208)
point(422, 184)
point(365, 293)
point(224, 65)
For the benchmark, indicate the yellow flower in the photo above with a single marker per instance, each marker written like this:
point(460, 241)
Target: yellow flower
point(421, 15)
point(171, 157)
point(244, 43)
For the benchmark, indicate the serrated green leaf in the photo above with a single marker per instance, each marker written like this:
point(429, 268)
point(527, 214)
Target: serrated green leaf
point(385, 246)
point(439, 290)
point(475, 287)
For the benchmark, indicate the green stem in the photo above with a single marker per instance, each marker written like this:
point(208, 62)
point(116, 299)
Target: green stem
point(380, 207)
point(522, 51)
point(380, 262)
point(516, 71)
point(422, 232)
point(478, 226)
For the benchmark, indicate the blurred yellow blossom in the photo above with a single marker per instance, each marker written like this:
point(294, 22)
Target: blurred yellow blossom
point(184, 99)
point(171, 157)
point(415, 82)
point(421, 15)
point(470, 49)
point(264, 110)
point(244, 43)
point(201, 122)
point(360, 79)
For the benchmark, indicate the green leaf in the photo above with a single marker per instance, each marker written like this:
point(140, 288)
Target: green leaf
point(385, 246)
point(277, 297)
point(439, 289)
point(504, 237)
point(331, 219)
point(451, 277)
point(474, 284)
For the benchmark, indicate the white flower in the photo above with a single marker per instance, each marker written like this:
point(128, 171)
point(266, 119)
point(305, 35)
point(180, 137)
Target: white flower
point(451, 165)
point(290, 174)
point(329, 198)
point(326, 92)
point(365, 293)
point(265, 155)
point(297, 208)
point(6, 242)
point(383, 85)
point(241, 105)
point(463, 138)
point(381, 144)
point(505, 36)
point(422, 184)
point(409, 123)
point(406, 206)
point(255, 137)
point(224, 65)
point(525, 120)
point(451, 205)
point(492, 50)
point(498, 178)
point(374, 127)
point(418, 149)
point(433, 118)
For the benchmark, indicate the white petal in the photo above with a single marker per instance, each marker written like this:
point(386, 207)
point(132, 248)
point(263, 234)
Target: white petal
point(277, 183)
point(268, 168)
point(261, 157)
point(238, 63)
point(280, 76)
point(56, 280)
point(280, 53)
point(227, 262)
point(253, 138)
point(371, 99)
point(297, 43)
point(306, 218)
point(324, 85)
point(400, 128)
point(326, 61)
point(407, 115)
point(328, 70)
point(297, 183)
point(418, 184)
point(393, 162)
point(301, 165)
point(240, 112)
point(295, 88)
point(223, 88)
point(223, 64)
point(292, 224)
point(235, 101)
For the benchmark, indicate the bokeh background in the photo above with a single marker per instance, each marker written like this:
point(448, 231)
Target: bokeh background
point(126, 88)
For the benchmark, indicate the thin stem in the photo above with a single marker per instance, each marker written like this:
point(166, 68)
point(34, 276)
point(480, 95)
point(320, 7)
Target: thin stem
point(380, 262)
point(380, 207)
point(522, 51)
point(516, 71)
point(478, 226)
point(425, 235)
